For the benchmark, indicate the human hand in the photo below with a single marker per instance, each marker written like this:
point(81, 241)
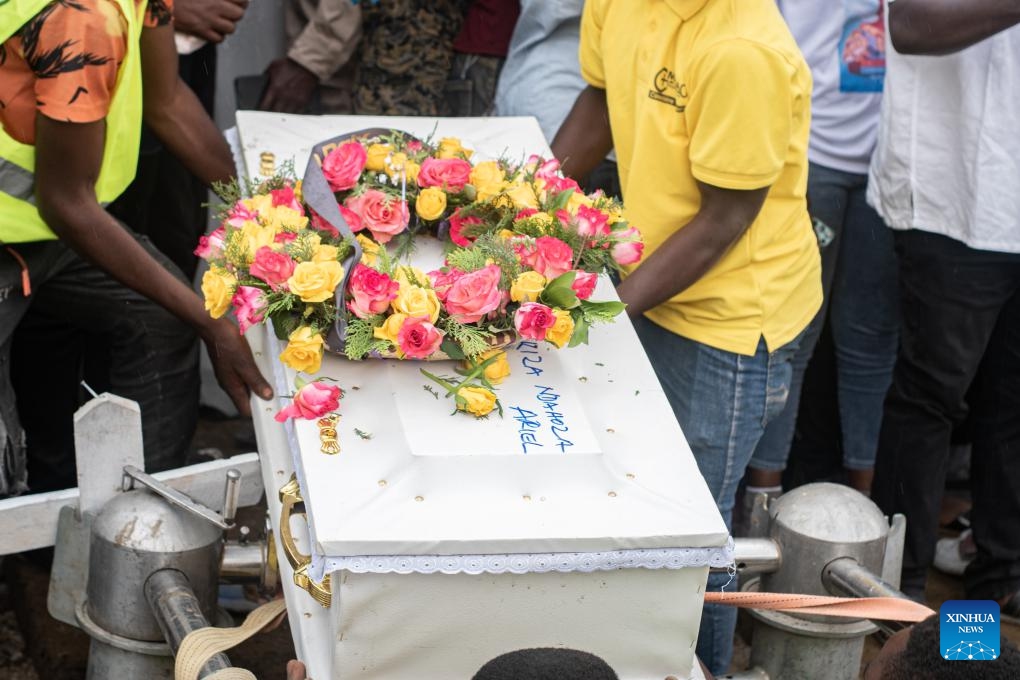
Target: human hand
point(295, 670)
point(290, 87)
point(211, 20)
point(233, 363)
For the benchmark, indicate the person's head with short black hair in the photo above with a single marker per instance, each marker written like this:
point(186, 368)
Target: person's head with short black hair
point(913, 654)
point(546, 664)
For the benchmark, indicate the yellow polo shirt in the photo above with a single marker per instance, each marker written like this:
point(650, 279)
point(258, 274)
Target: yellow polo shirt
point(715, 91)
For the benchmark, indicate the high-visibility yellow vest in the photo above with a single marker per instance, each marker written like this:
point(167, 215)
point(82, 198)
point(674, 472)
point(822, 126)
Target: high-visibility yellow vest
point(19, 218)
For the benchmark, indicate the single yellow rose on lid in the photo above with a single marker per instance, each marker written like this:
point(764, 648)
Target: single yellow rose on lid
point(251, 237)
point(416, 301)
point(376, 157)
point(561, 331)
point(498, 370)
point(527, 287)
point(304, 350)
point(431, 203)
point(218, 288)
point(478, 401)
point(488, 179)
point(389, 329)
point(315, 281)
point(576, 200)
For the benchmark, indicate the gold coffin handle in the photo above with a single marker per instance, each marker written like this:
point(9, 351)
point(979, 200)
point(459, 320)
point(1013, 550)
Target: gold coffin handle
point(294, 504)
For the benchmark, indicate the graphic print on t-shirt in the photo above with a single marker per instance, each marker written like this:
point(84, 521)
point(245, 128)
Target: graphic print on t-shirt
point(862, 47)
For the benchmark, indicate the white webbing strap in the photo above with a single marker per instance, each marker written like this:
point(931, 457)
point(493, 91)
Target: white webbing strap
point(201, 645)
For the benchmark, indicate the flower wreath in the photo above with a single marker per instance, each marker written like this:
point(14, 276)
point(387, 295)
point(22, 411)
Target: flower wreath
point(324, 260)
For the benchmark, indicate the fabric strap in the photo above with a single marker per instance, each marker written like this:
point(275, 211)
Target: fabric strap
point(883, 608)
point(201, 645)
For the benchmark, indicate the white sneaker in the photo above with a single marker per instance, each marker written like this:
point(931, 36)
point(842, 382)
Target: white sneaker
point(952, 555)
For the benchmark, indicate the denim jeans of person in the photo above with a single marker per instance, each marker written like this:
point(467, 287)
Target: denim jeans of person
point(152, 359)
point(960, 356)
point(861, 299)
point(723, 402)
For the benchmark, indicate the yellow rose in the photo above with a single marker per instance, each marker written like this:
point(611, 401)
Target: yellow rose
point(325, 254)
point(400, 163)
point(487, 178)
point(478, 401)
point(377, 154)
point(260, 204)
point(523, 196)
point(431, 203)
point(505, 234)
point(281, 217)
point(576, 200)
point(251, 237)
point(389, 329)
point(411, 169)
point(315, 281)
point(498, 370)
point(450, 147)
point(408, 275)
point(527, 287)
point(369, 250)
point(561, 331)
point(304, 350)
point(416, 301)
point(218, 288)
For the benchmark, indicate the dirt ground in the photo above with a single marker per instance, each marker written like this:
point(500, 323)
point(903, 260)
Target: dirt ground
point(33, 646)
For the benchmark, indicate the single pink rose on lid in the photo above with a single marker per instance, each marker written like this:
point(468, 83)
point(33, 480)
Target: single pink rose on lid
point(628, 252)
point(457, 224)
point(272, 267)
point(211, 245)
point(249, 303)
point(382, 215)
point(584, 284)
point(550, 257)
point(314, 400)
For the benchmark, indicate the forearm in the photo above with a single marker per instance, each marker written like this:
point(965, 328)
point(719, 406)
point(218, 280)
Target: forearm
point(678, 263)
point(585, 137)
point(945, 26)
point(183, 126)
point(88, 229)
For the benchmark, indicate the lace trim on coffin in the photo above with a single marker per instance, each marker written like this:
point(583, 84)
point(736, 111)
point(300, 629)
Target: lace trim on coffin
point(664, 558)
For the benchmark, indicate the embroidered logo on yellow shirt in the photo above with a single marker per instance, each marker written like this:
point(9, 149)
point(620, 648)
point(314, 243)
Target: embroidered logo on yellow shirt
point(667, 90)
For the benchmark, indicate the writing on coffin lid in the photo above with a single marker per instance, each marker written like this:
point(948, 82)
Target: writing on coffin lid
point(541, 424)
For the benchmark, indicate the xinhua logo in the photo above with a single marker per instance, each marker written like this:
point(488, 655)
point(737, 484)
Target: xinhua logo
point(969, 630)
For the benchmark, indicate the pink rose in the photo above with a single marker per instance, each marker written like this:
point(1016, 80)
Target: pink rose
point(211, 245)
point(239, 214)
point(525, 213)
point(272, 267)
point(285, 237)
point(343, 165)
point(547, 169)
point(287, 198)
point(442, 281)
point(592, 222)
point(584, 284)
point(558, 185)
point(550, 257)
point(248, 304)
point(319, 224)
point(628, 251)
point(371, 291)
point(533, 319)
point(450, 174)
point(314, 400)
point(457, 224)
point(474, 295)
point(352, 219)
point(382, 215)
point(414, 146)
point(418, 338)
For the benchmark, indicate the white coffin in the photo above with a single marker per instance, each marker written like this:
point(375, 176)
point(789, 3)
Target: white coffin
point(578, 520)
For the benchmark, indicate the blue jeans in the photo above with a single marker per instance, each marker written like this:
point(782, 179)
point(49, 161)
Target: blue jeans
point(723, 401)
point(861, 297)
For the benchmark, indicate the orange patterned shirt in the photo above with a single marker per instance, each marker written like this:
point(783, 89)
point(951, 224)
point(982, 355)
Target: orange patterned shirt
point(63, 63)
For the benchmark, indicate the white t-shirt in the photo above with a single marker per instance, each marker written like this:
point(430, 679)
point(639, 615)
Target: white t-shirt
point(843, 42)
point(948, 155)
